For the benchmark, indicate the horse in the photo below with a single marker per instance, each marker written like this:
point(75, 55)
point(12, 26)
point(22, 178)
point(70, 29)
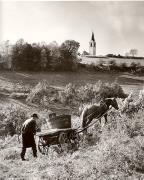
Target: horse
point(96, 111)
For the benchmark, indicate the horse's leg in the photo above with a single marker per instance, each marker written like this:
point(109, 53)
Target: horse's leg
point(84, 122)
point(105, 116)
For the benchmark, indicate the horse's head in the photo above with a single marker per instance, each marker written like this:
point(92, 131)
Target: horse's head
point(112, 102)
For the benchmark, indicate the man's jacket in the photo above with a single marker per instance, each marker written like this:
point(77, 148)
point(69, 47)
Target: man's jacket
point(29, 126)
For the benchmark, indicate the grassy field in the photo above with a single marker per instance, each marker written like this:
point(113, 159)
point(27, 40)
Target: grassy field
point(128, 81)
point(116, 152)
point(8, 80)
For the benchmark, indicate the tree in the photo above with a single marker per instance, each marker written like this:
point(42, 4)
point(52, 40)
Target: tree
point(69, 54)
point(5, 48)
point(36, 55)
point(54, 63)
point(6, 51)
point(43, 59)
point(25, 56)
point(133, 52)
point(17, 54)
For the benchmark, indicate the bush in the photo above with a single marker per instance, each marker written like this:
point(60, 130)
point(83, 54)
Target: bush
point(42, 94)
point(72, 95)
point(13, 117)
point(113, 65)
point(108, 90)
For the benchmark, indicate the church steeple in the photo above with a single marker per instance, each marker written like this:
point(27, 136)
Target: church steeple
point(92, 45)
point(92, 38)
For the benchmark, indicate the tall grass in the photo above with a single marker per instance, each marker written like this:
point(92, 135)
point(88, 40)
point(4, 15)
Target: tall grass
point(113, 151)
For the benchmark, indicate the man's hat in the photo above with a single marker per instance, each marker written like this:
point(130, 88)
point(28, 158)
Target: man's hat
point(35, 115)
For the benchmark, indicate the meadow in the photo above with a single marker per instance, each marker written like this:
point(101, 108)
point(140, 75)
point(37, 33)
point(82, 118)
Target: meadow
point(115, 151)
point(81, 77)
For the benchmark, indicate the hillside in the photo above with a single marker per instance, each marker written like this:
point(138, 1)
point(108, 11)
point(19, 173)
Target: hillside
point(115, 155)
point(106, 60)
point(114, 151)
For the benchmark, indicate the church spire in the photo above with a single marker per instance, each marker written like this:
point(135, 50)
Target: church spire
point(92, 46)
point(92, 38)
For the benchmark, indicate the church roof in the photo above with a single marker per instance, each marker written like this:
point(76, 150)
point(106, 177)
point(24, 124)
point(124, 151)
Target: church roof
point(92, 38)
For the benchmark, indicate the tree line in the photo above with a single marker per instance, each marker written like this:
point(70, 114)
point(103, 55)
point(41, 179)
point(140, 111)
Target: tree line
point(41, 56)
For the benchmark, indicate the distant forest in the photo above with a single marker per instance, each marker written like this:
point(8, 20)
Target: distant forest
point(39, 56)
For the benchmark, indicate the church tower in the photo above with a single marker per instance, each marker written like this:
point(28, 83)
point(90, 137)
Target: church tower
point(92, 46)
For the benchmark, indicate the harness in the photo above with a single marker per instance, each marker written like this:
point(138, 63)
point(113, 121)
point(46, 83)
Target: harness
point(94, 112)
point(99, 117)
point(91, 124)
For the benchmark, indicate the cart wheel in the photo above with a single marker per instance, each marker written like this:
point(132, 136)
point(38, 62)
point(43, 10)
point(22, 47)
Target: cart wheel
point(64, 142)
point(42, 146)
point(75, 138)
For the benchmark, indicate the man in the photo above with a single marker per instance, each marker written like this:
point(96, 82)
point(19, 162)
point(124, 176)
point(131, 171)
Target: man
point(28, 132)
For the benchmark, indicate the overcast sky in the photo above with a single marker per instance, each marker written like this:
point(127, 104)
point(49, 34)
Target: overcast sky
point(118, 26)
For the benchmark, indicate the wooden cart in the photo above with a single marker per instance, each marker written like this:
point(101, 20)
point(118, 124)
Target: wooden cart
point(60, 134)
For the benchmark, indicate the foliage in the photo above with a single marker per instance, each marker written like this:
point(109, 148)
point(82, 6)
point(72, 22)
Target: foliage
point(72, 95)
point(114, 155)
point(5, 54)
point(68, 54)
point(25, 56)
point(113, 151)
point(133, 52)
point(42, 94)
point(112, 66)
point(33, 57)
point(120, 142)
point(12, 118)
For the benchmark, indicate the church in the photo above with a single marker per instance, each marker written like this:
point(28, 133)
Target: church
point(92, 46)
point(91, 57)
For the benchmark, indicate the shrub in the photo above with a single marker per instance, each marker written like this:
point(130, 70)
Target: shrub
point(72, 95)
point(42, 94)
point(108, 90)
point(112, 65)
point(123, 67)
point(13, 118)
point(68, 95)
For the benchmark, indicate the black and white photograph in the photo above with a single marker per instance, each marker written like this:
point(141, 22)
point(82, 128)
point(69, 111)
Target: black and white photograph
point(71, 90)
